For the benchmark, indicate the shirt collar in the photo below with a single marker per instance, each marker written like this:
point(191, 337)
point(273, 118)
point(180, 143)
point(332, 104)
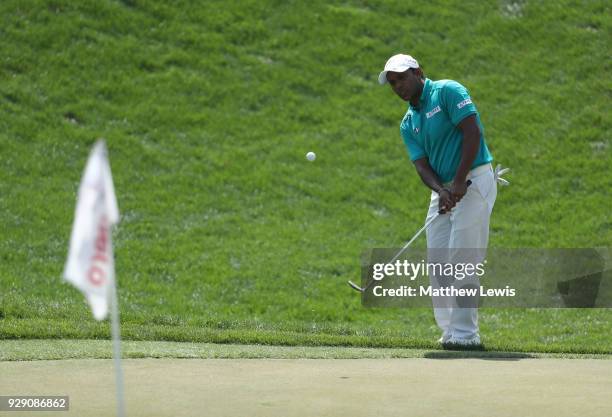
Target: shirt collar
point(424, 93)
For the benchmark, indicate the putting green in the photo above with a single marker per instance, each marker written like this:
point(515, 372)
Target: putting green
point(315, 387)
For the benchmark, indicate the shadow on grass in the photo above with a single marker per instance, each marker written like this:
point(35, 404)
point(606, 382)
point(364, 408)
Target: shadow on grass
point(477, 354)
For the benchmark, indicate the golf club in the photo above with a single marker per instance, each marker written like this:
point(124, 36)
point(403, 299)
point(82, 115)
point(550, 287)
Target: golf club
point(417, 234)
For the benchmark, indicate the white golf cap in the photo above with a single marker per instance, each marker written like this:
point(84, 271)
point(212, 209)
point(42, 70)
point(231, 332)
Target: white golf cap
point(397, 63)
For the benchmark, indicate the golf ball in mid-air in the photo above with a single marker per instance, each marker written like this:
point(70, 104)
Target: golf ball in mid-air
point(311, 156)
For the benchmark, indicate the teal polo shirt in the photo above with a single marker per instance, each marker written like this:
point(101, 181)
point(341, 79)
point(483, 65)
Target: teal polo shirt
point(431, 131)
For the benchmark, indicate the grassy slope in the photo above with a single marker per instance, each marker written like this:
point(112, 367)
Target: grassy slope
point(209, 108)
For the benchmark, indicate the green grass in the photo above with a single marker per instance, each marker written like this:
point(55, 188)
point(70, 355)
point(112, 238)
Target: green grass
point(45, 349)
point(575, 331)
point(228, 234)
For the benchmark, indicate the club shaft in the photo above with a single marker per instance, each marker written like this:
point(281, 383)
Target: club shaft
point(417, 234)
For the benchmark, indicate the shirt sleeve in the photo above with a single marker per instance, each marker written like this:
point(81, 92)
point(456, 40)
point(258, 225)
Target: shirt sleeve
point(415, 150)
point(457, 102)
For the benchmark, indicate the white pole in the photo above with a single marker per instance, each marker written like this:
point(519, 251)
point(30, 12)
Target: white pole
point(117, 350)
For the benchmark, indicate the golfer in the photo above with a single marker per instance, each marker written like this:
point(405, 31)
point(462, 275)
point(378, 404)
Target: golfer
point(445, 141)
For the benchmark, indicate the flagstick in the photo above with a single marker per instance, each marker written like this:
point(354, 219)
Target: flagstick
point(117, 350)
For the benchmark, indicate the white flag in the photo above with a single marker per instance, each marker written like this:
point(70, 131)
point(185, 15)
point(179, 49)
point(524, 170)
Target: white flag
point(90, 265)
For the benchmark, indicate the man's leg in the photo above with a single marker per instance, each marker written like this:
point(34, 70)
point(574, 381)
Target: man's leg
point(438, 237)
point(470, 229)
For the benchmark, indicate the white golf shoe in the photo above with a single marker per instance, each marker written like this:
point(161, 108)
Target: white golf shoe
point(444, 338)
point(458, 343)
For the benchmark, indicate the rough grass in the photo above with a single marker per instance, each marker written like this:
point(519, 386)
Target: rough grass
point(45, 349)
point(209, 108)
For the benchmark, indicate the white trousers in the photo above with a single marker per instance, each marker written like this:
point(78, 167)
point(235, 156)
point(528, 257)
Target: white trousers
point(466, 226)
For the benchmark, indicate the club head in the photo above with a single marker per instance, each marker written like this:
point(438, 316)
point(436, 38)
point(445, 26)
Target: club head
point(355, 286)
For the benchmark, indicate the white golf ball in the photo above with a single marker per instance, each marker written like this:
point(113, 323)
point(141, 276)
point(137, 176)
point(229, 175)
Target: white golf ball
point(311, 156)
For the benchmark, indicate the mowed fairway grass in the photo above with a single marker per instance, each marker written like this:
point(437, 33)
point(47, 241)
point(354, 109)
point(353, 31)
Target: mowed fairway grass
point(228, 234)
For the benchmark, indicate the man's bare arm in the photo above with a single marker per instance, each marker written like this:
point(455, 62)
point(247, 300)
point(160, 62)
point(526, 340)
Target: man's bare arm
point(469, 150)
point(430, 179)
